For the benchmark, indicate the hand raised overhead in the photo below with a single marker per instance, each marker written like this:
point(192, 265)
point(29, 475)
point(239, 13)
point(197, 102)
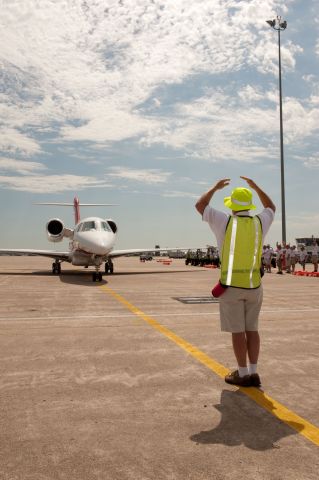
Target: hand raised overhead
point(250, 182)
point(204, 200)
point(222, 184)
point(264, 198)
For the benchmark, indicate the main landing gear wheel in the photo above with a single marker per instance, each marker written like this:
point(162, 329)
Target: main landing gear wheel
point(56, 268)
point(97, 277)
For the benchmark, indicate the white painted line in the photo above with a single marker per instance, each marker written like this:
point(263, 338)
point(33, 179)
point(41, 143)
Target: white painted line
point(291, 310)
point(185, 314)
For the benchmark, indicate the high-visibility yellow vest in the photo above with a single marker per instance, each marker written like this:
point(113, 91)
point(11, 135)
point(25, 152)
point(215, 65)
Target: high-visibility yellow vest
point(241, 253)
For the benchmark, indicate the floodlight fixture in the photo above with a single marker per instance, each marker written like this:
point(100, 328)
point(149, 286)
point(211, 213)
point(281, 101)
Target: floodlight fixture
point(272, 23)
point(277, 24)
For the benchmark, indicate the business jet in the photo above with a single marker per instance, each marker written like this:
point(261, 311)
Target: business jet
point(91, 242)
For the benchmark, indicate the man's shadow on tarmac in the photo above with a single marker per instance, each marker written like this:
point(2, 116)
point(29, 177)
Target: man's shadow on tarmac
point(243, 422)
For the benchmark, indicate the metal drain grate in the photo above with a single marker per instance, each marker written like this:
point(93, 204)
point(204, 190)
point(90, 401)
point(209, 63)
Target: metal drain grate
point(196, 300)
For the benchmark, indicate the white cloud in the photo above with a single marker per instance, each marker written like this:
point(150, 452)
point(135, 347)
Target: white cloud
point(20, 166)
point(84, 71)
point(300, 121)
point(94, 62)
point(13, 141)
point(51, 183)
point(250, 93)
point(156, 102)
point(309, 78)
point(314, 100)
point(179, 194)
point(110, 126)
point(221, 126)
point(217, 127)
point(265, 55)
point(312, 162)
point(147, 176)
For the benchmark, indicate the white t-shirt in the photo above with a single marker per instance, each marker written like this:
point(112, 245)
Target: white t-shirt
point(218, 222)
point(267, 253)
point(302, 255)
point(279, 254)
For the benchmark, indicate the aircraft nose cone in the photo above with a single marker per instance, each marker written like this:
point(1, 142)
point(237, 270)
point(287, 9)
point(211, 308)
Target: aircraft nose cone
point(97, 244)
point(100, 248)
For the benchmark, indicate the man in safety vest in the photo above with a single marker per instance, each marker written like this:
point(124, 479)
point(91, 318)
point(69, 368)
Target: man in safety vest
point(240, 237)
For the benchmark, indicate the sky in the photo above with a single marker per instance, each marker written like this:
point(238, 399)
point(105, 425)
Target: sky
point(147, 104)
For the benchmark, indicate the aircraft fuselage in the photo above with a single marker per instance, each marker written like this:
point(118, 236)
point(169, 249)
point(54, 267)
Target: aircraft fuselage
point(93, 240)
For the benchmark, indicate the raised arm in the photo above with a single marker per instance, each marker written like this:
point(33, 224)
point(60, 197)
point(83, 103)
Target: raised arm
point(263, 197)
point(204, 200)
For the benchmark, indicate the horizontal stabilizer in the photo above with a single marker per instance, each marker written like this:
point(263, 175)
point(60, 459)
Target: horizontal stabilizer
point(80, 204)
point(76, 205)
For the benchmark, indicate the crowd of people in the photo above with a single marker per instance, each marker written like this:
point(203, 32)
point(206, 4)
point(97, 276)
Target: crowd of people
point(286, 257)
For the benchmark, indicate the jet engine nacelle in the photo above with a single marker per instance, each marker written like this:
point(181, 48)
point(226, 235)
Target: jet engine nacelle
point(112, 225)
point(56, 230)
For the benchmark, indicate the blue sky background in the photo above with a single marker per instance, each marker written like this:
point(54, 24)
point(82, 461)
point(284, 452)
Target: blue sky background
point(147, 103)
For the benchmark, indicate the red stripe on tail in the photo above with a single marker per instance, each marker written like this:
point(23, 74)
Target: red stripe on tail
point(76, 205)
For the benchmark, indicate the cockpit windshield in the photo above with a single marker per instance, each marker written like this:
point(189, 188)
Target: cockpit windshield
point(86, 226)
point(94, 225)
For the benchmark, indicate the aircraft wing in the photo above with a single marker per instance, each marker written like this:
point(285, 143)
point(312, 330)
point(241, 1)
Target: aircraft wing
point(132, 251)
point(30, 252)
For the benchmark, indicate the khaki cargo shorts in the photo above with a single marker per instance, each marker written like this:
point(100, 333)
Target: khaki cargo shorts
point(239, 309)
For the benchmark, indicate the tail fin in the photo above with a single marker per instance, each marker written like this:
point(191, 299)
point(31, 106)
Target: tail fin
point(76, 205)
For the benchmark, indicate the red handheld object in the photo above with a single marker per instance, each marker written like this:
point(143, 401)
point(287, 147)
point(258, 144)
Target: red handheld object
point(218, 290)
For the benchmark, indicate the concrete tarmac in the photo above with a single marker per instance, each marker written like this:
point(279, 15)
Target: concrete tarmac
point(91, 389)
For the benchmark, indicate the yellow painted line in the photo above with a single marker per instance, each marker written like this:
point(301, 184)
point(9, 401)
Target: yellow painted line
point(305, 428)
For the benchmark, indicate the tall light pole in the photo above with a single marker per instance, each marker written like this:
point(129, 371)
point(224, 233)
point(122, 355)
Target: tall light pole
point(279, 25)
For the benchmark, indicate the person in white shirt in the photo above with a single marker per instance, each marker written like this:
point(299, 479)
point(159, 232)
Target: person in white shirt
point(279, 259)
point(288, 259)
point(302, 257)
point(314, 256)
point(267, 254)
point(239, 307)
point(263, 257)
point(293, 258)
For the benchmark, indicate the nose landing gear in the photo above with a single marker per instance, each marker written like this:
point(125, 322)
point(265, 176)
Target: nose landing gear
point(109, 267)
point(56, 268)
point(97, 277)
